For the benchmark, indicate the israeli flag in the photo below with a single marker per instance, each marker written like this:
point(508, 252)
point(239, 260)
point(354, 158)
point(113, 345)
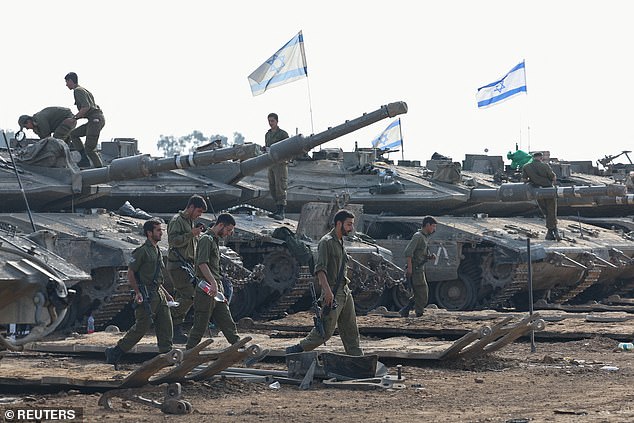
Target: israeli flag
point(390, 137)
point(286, 65)
point(511, 84)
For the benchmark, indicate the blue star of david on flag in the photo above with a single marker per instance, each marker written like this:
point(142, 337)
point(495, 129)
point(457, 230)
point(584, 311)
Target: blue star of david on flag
point(390, 137)
point(511, 84)
point(288, 64)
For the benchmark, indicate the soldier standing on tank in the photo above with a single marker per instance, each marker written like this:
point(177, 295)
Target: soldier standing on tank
point(145, 275)
point(58, 121)
point(278, 173)
point(330, 270)
point(417, 254)
point(539, 174)
point(182, 237)
point(87, 109)
point(208, 269)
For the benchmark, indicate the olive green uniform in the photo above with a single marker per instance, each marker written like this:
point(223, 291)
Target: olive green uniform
point(144, 264)
point(418, 250)
point(540, 174)
point(278, 173)
point(181, 239)
point(205, 307)
point(52, 120)
point(91, 129)
point(331, 255)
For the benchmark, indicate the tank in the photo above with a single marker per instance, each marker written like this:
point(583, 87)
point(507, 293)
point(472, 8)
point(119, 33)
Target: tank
point(36, 286)
point(283, 254)
point(439, 186)
point(481, 262)
point(52, 182)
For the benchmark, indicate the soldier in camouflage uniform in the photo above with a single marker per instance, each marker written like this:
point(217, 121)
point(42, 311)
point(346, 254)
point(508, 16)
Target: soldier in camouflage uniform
point(208, 269)
point(331, 259)
point(145, 275)
point(539, 174)
point(182, 237)
point(58, 121)
point(87, 109)
point(417, 254)
point(278, 173)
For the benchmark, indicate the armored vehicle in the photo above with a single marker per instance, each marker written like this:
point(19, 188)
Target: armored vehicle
point(440, 186)
point(35, 286)
point(52, 182)
point(481, 262)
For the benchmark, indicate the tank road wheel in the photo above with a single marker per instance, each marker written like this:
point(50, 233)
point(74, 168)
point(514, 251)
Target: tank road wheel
point(366, 300)
point(244, 301)
point(280, 271)
point(400, 295)
point(458, 294)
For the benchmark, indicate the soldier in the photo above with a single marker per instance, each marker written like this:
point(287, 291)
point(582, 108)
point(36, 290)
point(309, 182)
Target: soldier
point(417, 254)
point(208, 269)
point(539, 174)
point(278, 173)
point(145, 275)
point(182, 237)
point(58, 121)
point(87, 109)
point(338, 306)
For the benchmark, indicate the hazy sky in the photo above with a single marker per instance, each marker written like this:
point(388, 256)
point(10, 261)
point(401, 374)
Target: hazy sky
point(166, 67)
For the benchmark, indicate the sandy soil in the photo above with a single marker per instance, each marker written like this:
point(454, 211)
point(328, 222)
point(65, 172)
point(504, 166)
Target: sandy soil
point(574, 381)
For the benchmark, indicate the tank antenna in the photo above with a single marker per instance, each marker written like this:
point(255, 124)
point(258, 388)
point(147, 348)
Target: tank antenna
point(17, 175)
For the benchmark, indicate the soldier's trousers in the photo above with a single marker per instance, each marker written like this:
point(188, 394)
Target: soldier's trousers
point(205, 308)
point(64, 129)
point(549, 208)
point(420, 290)
point(342, 317)
point(162, 324)
point(278, 183)
point(91, 131)
point(184, 292)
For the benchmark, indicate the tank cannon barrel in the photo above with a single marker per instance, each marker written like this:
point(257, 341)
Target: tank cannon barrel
point(298, 144)
point(525, 192)
point(139, 166)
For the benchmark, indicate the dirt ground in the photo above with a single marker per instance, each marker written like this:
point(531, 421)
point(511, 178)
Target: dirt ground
point(575, 381)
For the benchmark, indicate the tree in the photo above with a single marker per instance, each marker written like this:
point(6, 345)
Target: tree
point(238, 138)
point(169, 145)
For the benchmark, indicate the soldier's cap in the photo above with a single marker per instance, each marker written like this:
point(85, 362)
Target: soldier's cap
point(538, 154)
point(23, 119)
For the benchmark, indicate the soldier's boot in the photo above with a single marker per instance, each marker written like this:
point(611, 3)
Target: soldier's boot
point(272, 215)
point(279, 213)
point(556, 234)
point(553, 235)
point(113, 355)
point(293, 349)
point(404, 312)
point(84, 162)
point(180, 337)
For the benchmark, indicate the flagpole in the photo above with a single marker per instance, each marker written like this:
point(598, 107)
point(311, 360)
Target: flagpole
point(400, 131)
point(310, 106)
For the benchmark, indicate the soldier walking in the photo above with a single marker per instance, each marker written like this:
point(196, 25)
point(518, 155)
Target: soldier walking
point(145, 275)
point(336, 296)
point(417, 254)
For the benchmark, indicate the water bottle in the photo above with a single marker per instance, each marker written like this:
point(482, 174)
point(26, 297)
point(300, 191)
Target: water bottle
point(625, 346)
point(205, 286)
point(91, 324)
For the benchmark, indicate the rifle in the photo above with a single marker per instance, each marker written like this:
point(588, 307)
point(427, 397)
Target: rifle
point(146, 296)
point(327, 309)
point(317, 318)
point(186, 266)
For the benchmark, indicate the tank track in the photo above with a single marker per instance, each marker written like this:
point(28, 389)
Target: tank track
point(519, 283)
point(289, 298)
point(591, 277)
point(114, 302)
